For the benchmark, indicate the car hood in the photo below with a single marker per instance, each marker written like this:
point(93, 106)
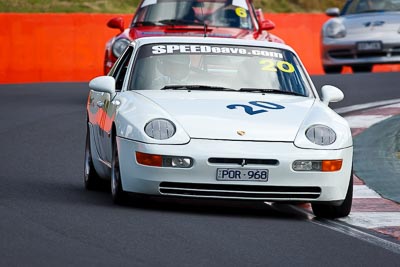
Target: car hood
point(372, 23)
point(178, 30)
point(231, 115)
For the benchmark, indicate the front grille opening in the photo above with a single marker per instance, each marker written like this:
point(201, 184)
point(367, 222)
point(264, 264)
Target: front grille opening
point(371, 54)
point(240, 161)
point(344, 54)
point(251, 192)
point(396, 51)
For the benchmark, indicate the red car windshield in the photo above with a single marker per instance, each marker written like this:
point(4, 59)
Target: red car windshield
point(214, 13)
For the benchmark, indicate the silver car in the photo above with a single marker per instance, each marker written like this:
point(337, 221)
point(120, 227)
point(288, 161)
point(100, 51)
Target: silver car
point(363, 33)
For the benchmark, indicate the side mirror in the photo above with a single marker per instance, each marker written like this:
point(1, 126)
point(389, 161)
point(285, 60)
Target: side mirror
point(331, 94)
point(332, 12)
point(116, 23)
point(105, 84)
point(267, 25)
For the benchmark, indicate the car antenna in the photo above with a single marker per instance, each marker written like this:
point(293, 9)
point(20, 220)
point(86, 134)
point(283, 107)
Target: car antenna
point(204, 21)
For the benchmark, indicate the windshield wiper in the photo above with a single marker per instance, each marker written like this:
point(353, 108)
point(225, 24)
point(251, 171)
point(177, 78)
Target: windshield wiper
point(269, 91)
point(145, 23)
point(373, 10)
point(173, 22)
point(196, 87)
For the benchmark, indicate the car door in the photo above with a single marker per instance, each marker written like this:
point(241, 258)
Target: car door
point(95, 108)
point(109, 106)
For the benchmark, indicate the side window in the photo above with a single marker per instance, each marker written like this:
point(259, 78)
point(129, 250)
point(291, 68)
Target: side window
point(121, 67)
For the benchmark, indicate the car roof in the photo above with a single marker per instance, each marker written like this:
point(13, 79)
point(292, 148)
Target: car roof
point(211, 41)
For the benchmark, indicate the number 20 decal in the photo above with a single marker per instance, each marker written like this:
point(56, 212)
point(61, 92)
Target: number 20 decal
point(270, 65)
point(252, 111)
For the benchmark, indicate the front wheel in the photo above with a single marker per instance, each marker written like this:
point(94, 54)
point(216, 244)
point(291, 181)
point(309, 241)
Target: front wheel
point(91, 178)
point(332, 69)
point(332, 212)
point(117, 193)
point(362, 68)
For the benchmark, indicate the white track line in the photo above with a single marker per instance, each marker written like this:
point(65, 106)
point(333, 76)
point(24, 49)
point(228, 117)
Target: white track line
point(365, 121)
point(373, 219)
point(361, 235)
point(367, 106)
point(363, 191)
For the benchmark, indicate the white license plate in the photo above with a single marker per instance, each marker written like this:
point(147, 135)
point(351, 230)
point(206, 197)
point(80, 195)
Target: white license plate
point(369, 46)
point(258, 175)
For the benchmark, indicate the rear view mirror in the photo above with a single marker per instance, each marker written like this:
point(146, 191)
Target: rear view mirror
point(267, 25)
point(332, 12)
point(105, 84)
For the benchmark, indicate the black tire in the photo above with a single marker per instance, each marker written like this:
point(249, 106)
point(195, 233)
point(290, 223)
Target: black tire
point(332, 69)
point(91, 179)
point(361, 68)
point(333, 212)
point(119, 196)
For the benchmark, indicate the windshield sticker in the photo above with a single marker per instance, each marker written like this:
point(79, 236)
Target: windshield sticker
point(253, 111)
point(241, 12)
point(148, 3)
point(208, 49)
point(241, 3)
point(271, 65)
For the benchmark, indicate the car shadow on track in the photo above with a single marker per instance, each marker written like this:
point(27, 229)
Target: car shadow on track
point(218, 207)
point(215, 207)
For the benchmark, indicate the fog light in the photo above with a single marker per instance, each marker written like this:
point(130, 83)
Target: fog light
point(163, 161)
point(317, 165)
point(177, 162)
point(306, 165)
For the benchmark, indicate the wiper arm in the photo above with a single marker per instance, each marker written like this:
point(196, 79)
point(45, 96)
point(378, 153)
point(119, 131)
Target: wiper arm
point(173, 22)
point(145, 23)
point(373, 10)
point(196, 87)
point(269, 91)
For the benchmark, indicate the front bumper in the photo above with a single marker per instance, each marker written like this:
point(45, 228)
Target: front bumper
point(199, 181)
point(343, 52)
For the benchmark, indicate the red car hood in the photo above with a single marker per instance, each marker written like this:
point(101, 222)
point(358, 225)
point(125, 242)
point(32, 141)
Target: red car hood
point(138, 32)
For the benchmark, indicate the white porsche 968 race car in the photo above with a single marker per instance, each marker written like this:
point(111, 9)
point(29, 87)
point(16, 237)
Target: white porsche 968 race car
point(220, 119)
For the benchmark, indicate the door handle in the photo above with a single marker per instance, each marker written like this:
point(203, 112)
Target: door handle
point(100, 104)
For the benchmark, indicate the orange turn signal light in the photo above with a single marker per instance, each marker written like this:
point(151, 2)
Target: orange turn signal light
point(331, 165)
point(149, 159)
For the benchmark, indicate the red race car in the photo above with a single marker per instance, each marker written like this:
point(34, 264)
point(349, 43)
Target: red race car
point(211, 18)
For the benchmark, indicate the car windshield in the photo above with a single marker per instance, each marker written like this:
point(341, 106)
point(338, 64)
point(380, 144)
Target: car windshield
point(218, 68)
point(214, 13)
point(365, 6)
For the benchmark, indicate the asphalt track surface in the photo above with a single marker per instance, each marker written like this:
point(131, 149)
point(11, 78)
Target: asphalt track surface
point(48, 219)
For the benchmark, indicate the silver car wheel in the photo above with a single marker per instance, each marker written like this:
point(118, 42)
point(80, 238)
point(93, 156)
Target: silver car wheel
point(118, 195)
point(90, 177)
